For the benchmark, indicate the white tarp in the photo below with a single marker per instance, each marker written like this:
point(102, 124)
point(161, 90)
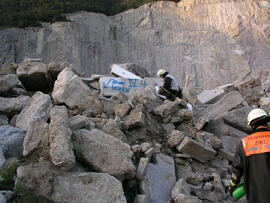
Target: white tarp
point(118, 70)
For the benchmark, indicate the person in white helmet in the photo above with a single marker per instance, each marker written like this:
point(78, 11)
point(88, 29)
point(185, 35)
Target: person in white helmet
point(252, 160)
point(170, 88)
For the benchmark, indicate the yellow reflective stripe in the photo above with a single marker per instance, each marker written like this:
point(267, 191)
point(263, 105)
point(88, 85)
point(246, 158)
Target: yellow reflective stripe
point(232, 183)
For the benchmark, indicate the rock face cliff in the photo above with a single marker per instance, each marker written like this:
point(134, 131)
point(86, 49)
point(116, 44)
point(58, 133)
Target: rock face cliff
point(214, 42)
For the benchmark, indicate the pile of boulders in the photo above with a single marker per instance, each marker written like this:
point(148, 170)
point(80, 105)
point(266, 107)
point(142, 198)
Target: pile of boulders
point(70, 143)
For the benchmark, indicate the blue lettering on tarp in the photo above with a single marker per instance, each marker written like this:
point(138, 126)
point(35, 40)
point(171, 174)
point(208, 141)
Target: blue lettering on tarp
point(144, 83)
point(132, 83)
point(113, 82)
point(107, 84)
point(117, 82)
point(120, 89)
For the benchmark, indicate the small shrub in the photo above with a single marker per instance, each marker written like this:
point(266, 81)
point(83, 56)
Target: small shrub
point(8, 174)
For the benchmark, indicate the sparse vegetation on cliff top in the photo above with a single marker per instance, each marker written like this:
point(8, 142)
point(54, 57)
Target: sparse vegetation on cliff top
point(24, 13)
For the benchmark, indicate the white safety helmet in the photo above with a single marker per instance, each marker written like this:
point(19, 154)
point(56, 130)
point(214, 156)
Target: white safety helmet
point(255, 114)
point(161, 72)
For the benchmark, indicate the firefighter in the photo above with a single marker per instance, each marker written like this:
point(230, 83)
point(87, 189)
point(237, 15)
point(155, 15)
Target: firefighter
point(252, 160)
point(170, 88)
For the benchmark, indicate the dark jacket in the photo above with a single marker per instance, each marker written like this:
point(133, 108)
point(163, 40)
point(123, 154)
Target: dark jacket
point(167, 82)
point(171, 85)
point(252, 161)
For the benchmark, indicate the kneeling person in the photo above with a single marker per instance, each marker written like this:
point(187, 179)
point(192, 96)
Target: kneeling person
point(170, 88)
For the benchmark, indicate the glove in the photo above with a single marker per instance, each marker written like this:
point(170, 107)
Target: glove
point(232, 187)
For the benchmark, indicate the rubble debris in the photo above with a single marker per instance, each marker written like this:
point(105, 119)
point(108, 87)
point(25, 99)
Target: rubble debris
point(226, 103)
point(38, 108)
point(104, 152)
point(159, 179)
point(70, 89)
point(12, 106)
point(85, 186)
point(135, 137)
point(61, 148)
point(7, 82)
point(37, 137)
point(212, 96)
point(142, 168)
point(251, 90)
point(196, 149)
point(33, 76)
point(11, 140)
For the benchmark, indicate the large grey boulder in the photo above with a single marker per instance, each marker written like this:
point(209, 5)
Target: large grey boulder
point(44, 180)
point(196, 149)
point(212, 96)
point(12, 106)
point(7, 82)
point(61, 148)
point(229, 146)
point(38, 177)
point(228, 102)
point(37, 137)
point(251, 90)
point(220, 128)
point(11, 141)
point(237, 118)
point(79, 121)
point(104, 152)
point(159, 179)
point(38, 108)
point(70, 89)
point(88, 188)
point(33, 76)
